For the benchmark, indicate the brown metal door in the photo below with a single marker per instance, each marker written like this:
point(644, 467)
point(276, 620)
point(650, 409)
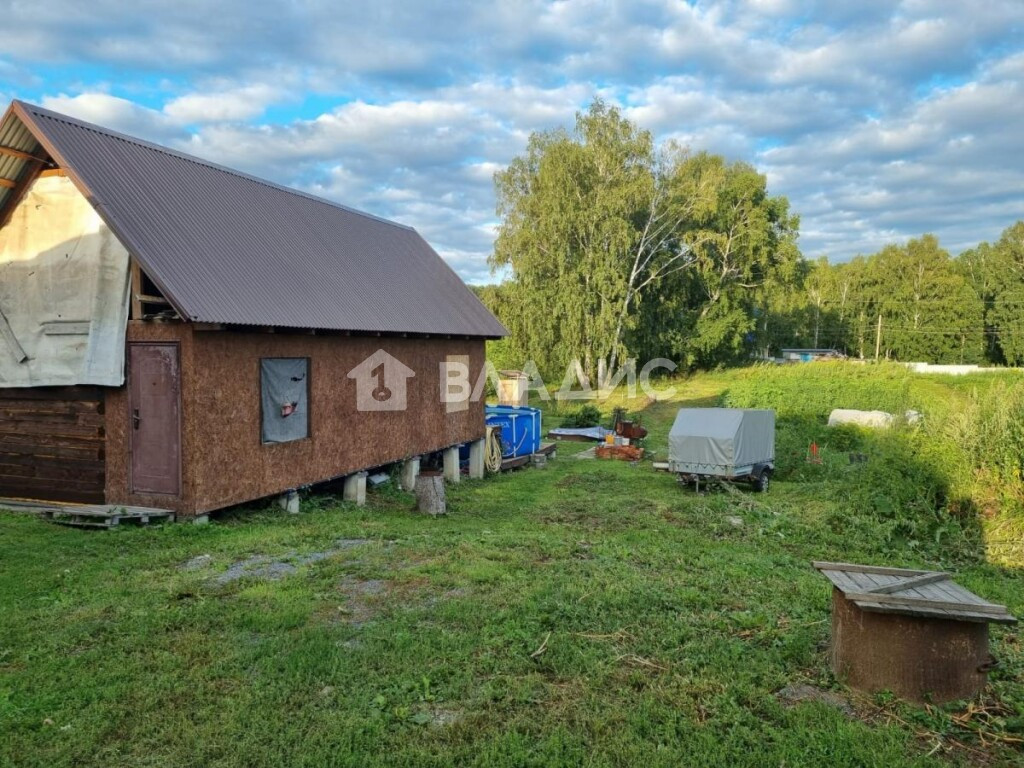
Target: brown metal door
point(155, 418)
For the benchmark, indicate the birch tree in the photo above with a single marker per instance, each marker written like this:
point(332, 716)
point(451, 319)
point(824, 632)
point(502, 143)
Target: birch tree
point(589, 221)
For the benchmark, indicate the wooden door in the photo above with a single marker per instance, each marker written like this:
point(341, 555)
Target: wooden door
point(155, 424)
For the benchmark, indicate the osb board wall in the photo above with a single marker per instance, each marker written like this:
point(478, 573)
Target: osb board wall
point(224, 461)
point(118, 426)
point(52, 443)
point(228, 464)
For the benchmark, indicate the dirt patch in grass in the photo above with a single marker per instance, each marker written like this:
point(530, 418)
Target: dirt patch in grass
point(436, 716)
point(798, 693)
point(361, 604)
point(579, 481)
point(266, 568)
point(196, 563)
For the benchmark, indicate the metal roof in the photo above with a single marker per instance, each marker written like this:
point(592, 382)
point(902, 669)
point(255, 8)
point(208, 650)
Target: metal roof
point(927, 594)
point(226, 247)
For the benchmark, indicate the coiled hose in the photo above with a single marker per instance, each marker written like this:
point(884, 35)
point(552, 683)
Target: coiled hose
point(492, 450)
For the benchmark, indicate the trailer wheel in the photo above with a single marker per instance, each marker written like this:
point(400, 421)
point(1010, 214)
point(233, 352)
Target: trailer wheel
point(762, 481)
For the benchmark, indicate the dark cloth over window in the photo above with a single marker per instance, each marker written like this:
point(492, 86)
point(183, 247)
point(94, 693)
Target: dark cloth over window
point(284, 391)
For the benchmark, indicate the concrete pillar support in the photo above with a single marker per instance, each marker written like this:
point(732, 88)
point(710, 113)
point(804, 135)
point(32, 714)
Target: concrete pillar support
point(289, 501)
point(355, 488)
point(451, 464)
point(410, 471)
point(476, 459)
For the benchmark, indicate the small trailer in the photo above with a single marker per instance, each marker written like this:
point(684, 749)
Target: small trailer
point(723, 444)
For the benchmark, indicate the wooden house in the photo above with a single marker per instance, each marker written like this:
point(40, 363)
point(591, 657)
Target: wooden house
point(180, 335)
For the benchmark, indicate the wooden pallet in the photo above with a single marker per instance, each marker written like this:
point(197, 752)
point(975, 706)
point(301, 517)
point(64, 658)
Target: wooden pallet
point(107, 515)
point(514, 462)
point(89, 515)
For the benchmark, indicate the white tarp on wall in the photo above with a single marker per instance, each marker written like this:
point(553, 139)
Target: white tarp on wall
point(64, 292)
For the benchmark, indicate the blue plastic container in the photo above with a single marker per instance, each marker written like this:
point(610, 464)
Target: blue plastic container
point(520, 428)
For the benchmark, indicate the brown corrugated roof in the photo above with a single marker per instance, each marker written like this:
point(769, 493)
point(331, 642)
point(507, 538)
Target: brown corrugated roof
point(226, 247)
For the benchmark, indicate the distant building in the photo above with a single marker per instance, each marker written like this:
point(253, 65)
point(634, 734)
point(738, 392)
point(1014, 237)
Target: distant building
point(810, 355)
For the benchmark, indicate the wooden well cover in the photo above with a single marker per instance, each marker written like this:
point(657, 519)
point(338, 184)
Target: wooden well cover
point(915, 633)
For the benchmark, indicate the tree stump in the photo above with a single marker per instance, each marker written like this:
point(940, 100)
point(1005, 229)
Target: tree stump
point(430, 494)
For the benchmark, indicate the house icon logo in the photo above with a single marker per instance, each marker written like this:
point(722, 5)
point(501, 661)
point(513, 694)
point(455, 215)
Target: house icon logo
point(381, 382)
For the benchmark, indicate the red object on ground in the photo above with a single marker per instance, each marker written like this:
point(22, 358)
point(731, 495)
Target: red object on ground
point(815, 456)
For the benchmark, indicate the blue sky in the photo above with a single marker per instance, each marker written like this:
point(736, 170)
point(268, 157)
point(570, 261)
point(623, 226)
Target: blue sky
point(879, 120)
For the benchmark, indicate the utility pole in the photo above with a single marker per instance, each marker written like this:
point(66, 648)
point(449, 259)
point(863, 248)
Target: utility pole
point(878, 337)
point(860, 327)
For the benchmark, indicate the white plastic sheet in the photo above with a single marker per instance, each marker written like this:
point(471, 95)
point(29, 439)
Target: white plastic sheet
point(64, 292)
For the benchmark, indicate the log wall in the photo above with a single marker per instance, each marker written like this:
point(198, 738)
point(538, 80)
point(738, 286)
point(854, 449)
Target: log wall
point(52, 443)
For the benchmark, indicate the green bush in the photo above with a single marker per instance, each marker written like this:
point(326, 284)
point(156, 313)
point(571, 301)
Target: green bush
point(815, 389)
point(584, 416)
point(902, 478)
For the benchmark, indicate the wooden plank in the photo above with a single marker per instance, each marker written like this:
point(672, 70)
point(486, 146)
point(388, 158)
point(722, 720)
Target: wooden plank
point(86, 472)
point(88, 483)
point(905, 584)
point(69, 472)
point(912, 602)
point(9, 439)
point(85, 452)
point(514, 462)
point(20, 154)
point(8, 183)
point(30, 427)
point(149, 299)
point(14, 417)
point(843, 582)
point(77, 392)
point(33, 459)
point(855, 568)
point(950, 590)
point(938, 613)
point(114, 510)
point(50, 492)
point(52, 407)
point(136, 277)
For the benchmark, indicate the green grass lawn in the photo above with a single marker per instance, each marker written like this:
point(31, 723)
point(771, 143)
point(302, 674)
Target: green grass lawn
point(590, 613)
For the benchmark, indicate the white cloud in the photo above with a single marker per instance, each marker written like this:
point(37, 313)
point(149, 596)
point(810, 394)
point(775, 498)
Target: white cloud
point(116, 113)
point(879, 120)
point(229, 105)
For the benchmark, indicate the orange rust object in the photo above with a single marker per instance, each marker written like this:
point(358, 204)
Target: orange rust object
point(630, 429)
point(620, 452)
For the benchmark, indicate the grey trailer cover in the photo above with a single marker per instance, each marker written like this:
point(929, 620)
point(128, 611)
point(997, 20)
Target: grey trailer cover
point(721, 439)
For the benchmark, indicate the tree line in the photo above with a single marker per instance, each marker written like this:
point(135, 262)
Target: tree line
point(614, 247)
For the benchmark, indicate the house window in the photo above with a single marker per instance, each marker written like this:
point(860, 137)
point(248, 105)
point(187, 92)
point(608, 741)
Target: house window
point(284, 398)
